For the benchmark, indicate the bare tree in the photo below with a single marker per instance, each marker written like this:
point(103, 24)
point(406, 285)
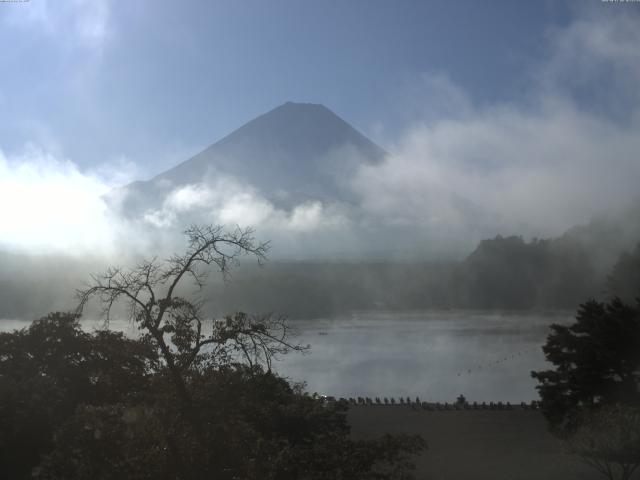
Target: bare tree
point(176, 325)
point(609, 441)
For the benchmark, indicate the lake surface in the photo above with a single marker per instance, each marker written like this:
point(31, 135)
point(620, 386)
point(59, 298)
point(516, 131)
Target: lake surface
point(436, 355)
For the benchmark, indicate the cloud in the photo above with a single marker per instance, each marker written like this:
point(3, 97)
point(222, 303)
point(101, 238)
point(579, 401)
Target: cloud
point(48, 205)
point(535, 167)
point(81, 24)
point(596, 61)
point(225, 200)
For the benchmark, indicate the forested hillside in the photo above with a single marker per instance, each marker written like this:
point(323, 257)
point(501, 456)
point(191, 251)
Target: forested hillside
point(501, 273)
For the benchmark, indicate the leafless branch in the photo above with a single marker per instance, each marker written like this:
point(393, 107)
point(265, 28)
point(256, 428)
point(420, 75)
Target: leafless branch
point(176, 324)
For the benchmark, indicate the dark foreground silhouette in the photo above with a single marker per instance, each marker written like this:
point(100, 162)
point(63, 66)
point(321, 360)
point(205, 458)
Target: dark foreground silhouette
point(190, 398)
point(77, 405)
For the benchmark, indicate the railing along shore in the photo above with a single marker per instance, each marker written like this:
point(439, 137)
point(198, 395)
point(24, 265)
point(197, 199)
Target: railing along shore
point(416, 404)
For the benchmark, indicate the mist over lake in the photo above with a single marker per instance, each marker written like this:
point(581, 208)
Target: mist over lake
point(260, 240)
point(436, 355)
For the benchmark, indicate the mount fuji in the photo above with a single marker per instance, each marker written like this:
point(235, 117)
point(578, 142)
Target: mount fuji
point(295, 153)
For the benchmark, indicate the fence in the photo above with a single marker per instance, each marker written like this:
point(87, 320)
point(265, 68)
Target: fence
point(431, 406)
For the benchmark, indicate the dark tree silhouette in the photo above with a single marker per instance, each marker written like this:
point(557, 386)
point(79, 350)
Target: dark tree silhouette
point(175, 325)
point(609, 441)
point(508, 272)
point(624, 280)
point(596, 362)
point(256, 425)
point(51, 367)
point(191, 398)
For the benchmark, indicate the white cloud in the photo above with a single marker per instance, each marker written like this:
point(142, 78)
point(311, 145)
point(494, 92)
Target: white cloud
point(224, 200)
point(117, 171)
point(188, 197)
point(48, 205)
point(311, 216)
point(245, 208)
point(597, 52)
point(534, 167)
point(75, 23)
point(537, 167)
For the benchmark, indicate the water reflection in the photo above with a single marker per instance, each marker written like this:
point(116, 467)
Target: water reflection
point(433, 355)
point(485, 356)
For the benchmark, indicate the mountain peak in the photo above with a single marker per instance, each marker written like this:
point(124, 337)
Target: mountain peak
point(291, 104)
point(293, 139)
point(302, 108)
point(292, 153)
point(301, 123)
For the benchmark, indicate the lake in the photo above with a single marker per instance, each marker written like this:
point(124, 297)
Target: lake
point(436, 355)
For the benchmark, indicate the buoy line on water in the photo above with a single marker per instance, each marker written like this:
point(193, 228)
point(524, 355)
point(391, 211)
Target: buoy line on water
point(499, 361)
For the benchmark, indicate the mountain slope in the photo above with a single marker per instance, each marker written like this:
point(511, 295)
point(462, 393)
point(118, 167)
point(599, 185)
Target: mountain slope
point(294, 153)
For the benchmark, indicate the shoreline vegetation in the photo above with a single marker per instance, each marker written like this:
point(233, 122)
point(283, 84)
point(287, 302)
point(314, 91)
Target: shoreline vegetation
point(194, 398)
point(503, 274)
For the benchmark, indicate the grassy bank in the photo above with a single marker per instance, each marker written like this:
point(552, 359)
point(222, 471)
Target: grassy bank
point(476, 444)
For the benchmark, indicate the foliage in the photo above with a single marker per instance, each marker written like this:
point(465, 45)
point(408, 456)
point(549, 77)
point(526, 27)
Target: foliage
point(624, 280)
point(508, 272)
point(596, 362)
point(609, 440)
point(51, 367)
point(461, 401)
point(503, 272)
point(254, 425)
point(190, 398)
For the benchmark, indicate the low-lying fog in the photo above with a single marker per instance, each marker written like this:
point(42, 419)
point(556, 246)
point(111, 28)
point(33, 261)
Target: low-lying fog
point(436, 355)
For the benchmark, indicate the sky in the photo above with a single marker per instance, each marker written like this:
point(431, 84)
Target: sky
point(152, 82)
point(526, 108)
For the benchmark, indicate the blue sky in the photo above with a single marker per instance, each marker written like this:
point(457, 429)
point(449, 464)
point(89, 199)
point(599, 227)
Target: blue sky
point(528, 110)
point(155, 81)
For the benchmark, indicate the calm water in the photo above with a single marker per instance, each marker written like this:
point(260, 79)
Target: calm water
point(433, 355)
